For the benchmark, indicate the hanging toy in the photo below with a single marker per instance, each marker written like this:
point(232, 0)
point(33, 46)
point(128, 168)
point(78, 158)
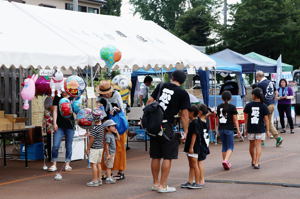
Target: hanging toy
point(78, 103)
point(74, 86)
point(85, 118)
point(42, 86)
point(121, 82)
point(65, 108)
point(110, 55)
point(28, 91)
point(57, 83)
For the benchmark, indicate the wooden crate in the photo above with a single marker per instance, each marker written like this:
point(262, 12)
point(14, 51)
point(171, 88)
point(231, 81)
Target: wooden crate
point(5, 124)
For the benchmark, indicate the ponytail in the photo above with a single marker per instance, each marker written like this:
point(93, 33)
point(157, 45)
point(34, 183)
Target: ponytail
point(226, 97)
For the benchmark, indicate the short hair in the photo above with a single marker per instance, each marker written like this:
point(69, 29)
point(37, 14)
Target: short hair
point(260, 73)
point(194, 109)
point(179, 76)
point(203, 108)
point(226, 96)
point(148, 79)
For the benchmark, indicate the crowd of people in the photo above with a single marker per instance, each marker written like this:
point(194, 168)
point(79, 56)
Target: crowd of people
point(106, 146)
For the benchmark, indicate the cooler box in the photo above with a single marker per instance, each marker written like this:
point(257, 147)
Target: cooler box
point(34, 151)
point(235, 100)
point(77, 149)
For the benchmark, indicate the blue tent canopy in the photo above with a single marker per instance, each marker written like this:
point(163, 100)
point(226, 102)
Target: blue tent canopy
point(222, 65)
point(151, 72)
point(249, 65)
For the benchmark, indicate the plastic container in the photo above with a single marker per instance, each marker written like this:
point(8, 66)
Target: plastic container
point(34, 151)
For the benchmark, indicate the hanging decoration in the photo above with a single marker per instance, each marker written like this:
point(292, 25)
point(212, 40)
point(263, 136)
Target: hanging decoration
point(28, 91)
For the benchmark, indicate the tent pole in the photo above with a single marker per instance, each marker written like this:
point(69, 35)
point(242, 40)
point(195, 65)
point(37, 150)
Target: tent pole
point(215, 93)
point(92, 85)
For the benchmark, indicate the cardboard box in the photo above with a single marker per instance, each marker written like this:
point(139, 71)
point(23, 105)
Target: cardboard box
point(1, 114)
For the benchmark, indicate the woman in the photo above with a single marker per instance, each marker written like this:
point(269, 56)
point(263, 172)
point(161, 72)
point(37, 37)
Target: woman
point(285, 96)
point(63, 127)
point(112, 102)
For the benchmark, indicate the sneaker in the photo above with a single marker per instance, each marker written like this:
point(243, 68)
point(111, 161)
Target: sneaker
point(256, 166)
point(226, 165)
point(100, 182)
point(196, 186)
point(110, 181)
point(283, 131)
point(167, 189)
point(68, 168)
point(278, 141)
point(52, 168)
point(292, 131)
point(93, 184)
point(185, 185)
point(154, 188)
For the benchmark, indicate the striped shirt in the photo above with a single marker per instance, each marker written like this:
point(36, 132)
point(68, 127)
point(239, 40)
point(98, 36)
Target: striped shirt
point(98, 133)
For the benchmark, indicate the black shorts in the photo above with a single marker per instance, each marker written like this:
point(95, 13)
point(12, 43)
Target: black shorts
point(162, 148)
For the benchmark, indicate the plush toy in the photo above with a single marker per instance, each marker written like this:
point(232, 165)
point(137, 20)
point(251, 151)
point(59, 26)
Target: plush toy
point(57, 83)
point(121, 82)
point(28, 91)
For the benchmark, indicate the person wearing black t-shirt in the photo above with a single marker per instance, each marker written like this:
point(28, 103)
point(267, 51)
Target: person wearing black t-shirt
point(230, 85)
point(269, 95)
point(192, 149)
point(173, 99)
point(63, 127)
point(227, 115)
point(256, 125)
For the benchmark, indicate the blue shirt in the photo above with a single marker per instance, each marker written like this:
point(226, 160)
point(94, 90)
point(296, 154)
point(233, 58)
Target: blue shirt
point(268, 89)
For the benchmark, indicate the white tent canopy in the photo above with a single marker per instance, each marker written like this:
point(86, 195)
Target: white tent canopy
point(45, 37)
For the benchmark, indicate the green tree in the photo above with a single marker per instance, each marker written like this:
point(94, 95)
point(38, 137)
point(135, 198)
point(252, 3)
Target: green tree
point(112, 7)
point(268, 27)
point(163, 12)
point(195, 26)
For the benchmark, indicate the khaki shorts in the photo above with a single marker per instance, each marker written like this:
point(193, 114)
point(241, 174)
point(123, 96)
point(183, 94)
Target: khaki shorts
point(256, 136)
point(95, 155)
point(109, 163)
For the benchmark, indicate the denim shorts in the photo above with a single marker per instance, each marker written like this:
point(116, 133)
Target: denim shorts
point(227, 139)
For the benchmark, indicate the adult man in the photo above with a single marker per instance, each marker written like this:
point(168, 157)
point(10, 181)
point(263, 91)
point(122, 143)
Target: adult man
point(269, 92)
point(229, 85)
point(144, 90)
point(173, 99)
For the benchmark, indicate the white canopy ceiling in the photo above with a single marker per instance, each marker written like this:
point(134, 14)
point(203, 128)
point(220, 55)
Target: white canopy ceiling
point(45, 37)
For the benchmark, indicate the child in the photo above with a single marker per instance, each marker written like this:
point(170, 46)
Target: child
point(227, 115)
point(256, 116)
point(95, 149)
point(204, 140)
point(192, 148)
point(110, 148)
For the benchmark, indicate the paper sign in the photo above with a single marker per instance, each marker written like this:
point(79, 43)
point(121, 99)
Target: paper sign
point(191, 71)
point(90, 92)
point(47, 72)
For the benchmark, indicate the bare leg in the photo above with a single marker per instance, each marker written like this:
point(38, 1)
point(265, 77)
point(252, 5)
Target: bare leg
point(252, 151)
point(201, 168)
point(228, 154)
point(165, 170)
point(108, 173)
point(194, 165)
point(94, 172)
point(99, 171)
point(223, 155)
point(155, 167)
point(191, 172)
point(257, 152)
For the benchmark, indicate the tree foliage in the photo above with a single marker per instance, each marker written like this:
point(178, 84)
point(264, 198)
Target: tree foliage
point(195, 26)
point(268, 27)
point(163, 12)
point(112, 7)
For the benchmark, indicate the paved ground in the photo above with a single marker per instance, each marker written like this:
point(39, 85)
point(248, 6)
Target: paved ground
point(279, 165)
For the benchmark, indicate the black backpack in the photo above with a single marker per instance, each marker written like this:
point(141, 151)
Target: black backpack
point(153, 116)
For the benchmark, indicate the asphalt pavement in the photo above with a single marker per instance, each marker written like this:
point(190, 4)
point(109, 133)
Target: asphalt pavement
point(278, 178)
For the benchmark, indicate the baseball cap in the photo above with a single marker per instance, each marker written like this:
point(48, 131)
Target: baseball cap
point(179, 76)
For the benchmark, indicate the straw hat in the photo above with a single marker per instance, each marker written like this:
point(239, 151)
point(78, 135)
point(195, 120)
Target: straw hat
point(104, 87)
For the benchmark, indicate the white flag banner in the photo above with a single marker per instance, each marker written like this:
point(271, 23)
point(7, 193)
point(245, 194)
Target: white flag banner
point(279, 71)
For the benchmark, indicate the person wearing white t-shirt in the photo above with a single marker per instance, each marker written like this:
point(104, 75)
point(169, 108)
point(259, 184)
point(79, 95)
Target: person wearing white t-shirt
point(144, 90)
